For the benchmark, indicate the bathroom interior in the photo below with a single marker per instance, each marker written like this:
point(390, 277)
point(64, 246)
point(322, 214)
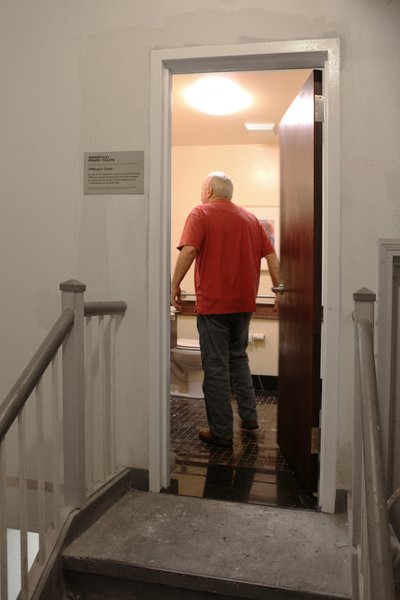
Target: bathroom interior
point(253, 470)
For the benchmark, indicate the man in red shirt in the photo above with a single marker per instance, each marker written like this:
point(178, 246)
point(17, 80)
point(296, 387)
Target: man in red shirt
point(228, 244)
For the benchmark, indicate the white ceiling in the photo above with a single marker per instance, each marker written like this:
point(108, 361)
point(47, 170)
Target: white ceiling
point(272, 93)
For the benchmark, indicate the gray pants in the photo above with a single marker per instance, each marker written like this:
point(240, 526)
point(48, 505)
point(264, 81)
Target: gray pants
point(223, 343)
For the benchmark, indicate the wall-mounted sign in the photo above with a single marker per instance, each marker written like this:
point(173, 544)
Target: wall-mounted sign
point(114, 172)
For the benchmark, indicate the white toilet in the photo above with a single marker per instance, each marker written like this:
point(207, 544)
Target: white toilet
point(186, 371)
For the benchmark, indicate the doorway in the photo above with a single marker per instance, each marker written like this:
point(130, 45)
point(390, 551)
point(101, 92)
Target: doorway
point(284, 55)
point(245, 144)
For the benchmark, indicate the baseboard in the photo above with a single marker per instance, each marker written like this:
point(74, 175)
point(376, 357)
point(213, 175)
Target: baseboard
point(341, 501)
point(265, 383)
point(140, 479)
point(50, 584)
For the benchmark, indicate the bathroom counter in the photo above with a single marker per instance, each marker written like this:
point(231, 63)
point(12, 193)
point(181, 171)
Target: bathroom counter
point(263, 311)
point(263, 348)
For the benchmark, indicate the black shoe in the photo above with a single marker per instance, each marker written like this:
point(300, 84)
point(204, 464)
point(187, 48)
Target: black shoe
point(206, 435)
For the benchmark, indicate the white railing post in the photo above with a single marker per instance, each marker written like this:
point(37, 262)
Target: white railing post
point(74, 397)
point(3, 523)
point(364, 302)
point(370, 530)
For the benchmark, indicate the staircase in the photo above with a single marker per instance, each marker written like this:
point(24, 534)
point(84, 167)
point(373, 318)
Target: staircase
point(159, 546)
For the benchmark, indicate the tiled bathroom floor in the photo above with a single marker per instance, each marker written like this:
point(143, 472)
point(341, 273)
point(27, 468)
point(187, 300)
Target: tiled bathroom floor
point(252, 471)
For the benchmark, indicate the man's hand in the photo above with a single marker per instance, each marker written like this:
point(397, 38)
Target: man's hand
point(182, 266)
point(176, 298)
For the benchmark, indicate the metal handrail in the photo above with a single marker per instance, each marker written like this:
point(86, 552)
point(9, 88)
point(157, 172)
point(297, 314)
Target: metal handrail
point(379, 548)
point(29, 378)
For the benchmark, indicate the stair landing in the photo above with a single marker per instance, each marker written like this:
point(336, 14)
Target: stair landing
point(236, 550)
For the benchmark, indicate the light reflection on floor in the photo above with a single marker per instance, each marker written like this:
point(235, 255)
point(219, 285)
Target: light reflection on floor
point(253, 471)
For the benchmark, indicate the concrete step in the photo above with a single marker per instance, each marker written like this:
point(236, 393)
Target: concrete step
point(159, 546)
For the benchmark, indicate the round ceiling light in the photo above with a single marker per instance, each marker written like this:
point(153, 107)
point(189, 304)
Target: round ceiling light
point(217, 96)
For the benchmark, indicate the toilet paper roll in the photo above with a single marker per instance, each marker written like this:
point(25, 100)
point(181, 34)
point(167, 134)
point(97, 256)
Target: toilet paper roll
point(256, 337)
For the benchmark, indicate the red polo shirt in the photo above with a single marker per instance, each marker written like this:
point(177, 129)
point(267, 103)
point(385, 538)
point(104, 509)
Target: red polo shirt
point(231, 243)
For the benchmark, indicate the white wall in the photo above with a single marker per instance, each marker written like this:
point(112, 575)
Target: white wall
point(75, 78)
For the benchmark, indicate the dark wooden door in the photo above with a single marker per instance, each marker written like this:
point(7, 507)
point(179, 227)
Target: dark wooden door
point(300, 310)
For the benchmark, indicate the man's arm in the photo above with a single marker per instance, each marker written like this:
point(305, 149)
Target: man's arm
point(183, 264)
point(273, 267)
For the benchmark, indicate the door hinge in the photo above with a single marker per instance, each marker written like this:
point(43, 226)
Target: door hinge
point(315, 440)
point(319, 105)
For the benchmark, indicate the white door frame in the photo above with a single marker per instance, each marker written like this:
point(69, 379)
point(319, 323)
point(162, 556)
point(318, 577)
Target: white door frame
point(323, 53)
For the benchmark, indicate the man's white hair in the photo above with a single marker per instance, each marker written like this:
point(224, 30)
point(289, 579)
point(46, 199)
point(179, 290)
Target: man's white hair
point(221, 184)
